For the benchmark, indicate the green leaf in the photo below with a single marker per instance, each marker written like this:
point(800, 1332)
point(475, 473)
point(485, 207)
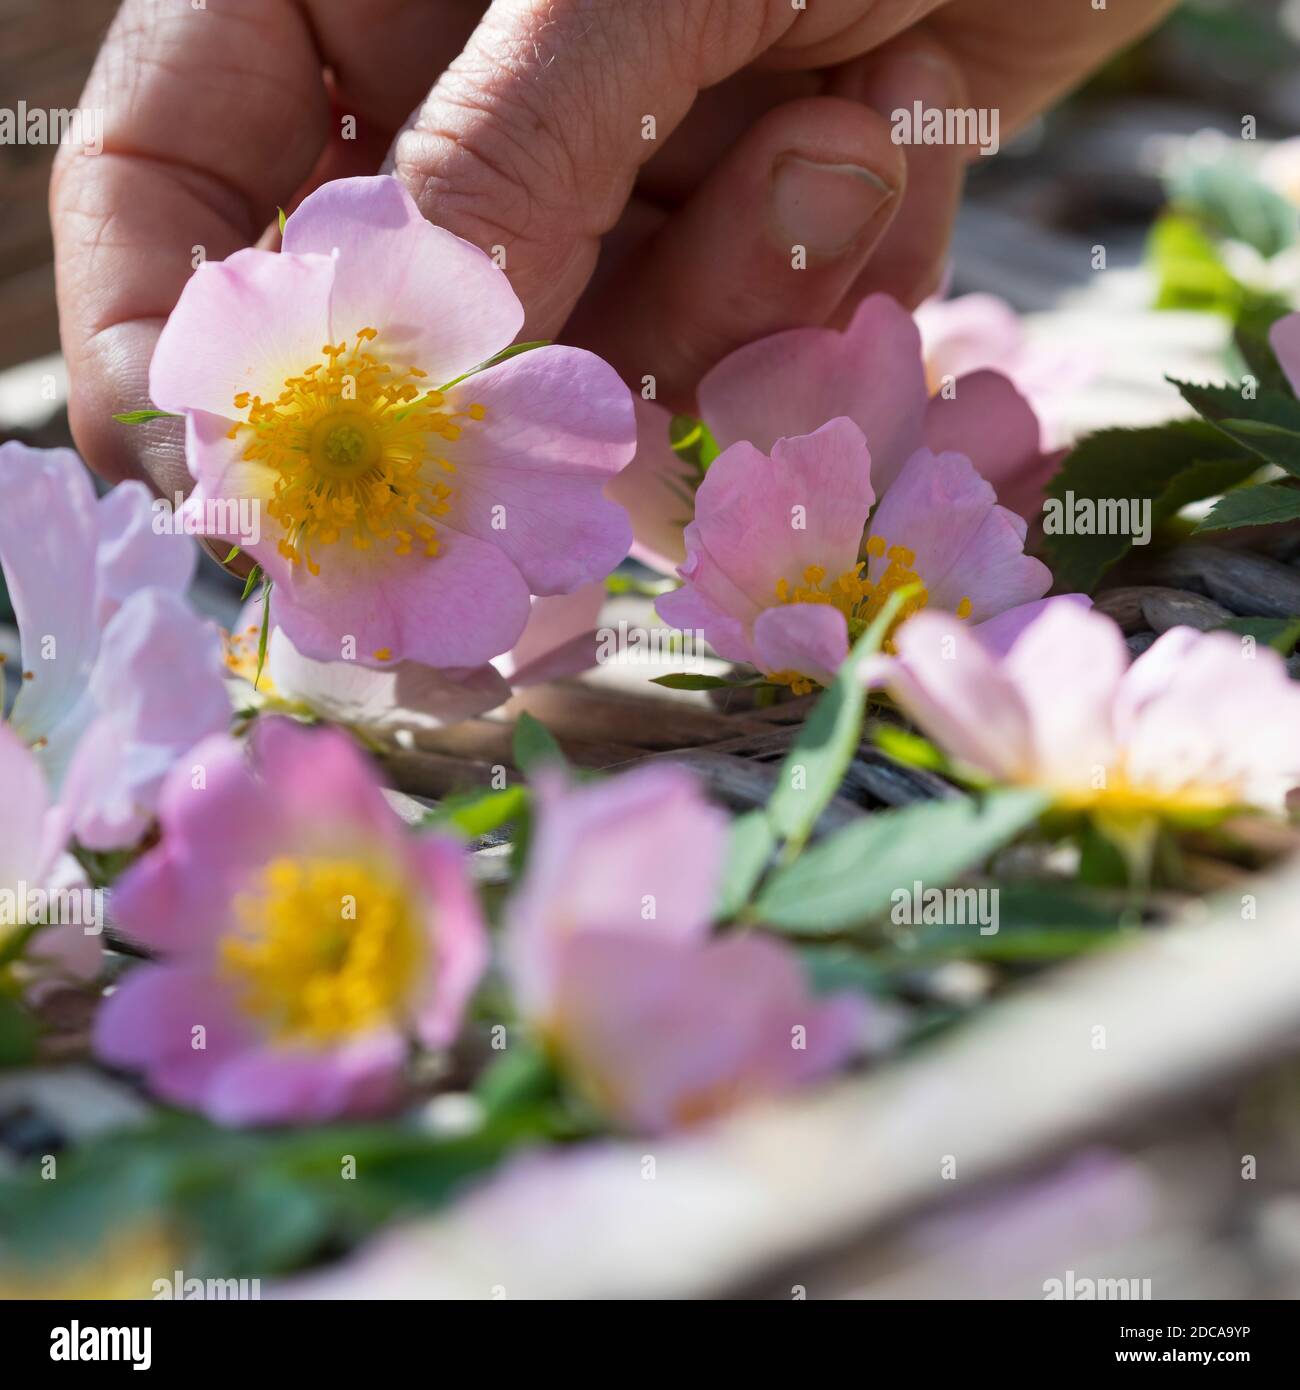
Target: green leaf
point(534, 746)
point(1268, 425)
point(851, 876)
point(816, 763)
point(693, 441)
point(140, 417)
point(19, 1032)
point(749, 851)
point(503, 356)
point(281, 219)
point(1231, 202)
point(1265, 504)
point(1279, 633)
point(833, 968)
point(264, 637)
point(908, 748)
point(1168, 465)
point(250, 583)
point(234, 550)
point(1188, 270)
point(521, 1076)
point(689, 680)
point(479, 813)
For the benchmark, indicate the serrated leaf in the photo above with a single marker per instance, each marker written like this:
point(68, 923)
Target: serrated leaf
point(851, 876)
point(1268, 425)
point(1167, 465)
point(1265, 504)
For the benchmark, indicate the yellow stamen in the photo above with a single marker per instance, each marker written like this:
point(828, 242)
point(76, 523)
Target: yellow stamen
point(860, 599)
point(348, 442)
point(325, 948)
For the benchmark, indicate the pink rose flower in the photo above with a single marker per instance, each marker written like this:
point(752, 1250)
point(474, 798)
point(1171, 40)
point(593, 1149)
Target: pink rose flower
point(608, 948)
point(120, 676)
point(1061, 708)
point(400, 505)
point(783, 573)
point(308, 938)
point(792, 383)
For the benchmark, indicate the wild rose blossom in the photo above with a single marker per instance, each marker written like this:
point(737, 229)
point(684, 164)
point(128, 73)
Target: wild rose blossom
point(120, 676)
point(782, 571)
point(792, 383)
point(33, 859)
point(608, 949)
point(1062, 709)
point(403, 506)
point(305, 932)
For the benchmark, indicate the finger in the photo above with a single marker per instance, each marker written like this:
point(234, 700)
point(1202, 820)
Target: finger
point(910, 260)
point(532, 139)
point(772, 239)
point(211, 117)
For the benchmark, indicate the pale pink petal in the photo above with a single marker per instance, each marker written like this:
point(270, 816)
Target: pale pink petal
point(459, 608)
point(48, 528)
point(657, 490)
point(967, 333)
point(243, 324)
point(158, 687)
point(992, 570)
point(559, 640)
point(993, 425)
point(178, 1024)
point(998, 635)
point(709, 602)
point(764, 518)
point(402, 697)
point(530, 475)
point(457, 934)
point(791, 383)
point(642, 852)
point(1067, 666)
point(132, 555)
point(1284, 337)
point(24, 799)
point(279, 1085)
point(437, 302)
point(665, 1033)
point(811, 638)
point(955, 691)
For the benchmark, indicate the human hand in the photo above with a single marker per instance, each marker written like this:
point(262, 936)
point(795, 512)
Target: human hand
point(770, 130)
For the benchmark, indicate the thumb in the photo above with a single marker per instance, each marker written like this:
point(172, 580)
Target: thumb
point(530, 142)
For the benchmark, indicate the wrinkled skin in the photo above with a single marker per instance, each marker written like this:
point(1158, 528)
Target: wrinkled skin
point(530, 136)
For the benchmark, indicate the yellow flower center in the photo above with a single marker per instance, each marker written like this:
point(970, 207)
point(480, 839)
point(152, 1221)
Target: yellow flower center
point(240, 648)
point(324, 948)
point(350, 444)
point(860, 599)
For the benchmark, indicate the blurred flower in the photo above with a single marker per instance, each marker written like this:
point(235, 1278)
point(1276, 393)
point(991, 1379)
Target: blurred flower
point(34, 868)
point(1284, 337)
point(975, 332)
point(403, 506)
point(120, 676)
point(308, 937)
point(608, 949)
point(780, 575)
point(1062, 709)
point(792, 383)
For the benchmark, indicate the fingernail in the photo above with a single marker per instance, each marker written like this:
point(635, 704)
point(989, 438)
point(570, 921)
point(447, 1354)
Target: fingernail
point(824, 207)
